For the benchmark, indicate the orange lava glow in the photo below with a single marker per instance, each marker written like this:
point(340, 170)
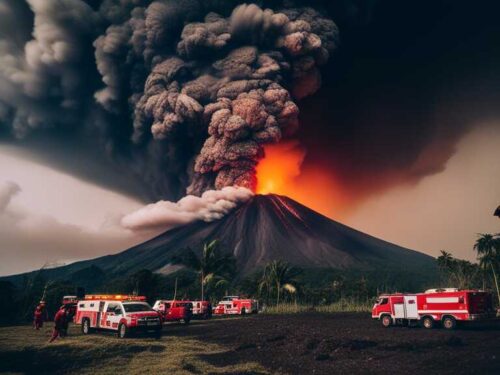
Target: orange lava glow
point(280, 167)
point(281, 172)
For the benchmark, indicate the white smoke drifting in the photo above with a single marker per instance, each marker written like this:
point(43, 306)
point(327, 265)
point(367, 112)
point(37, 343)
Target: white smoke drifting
point(212, 205)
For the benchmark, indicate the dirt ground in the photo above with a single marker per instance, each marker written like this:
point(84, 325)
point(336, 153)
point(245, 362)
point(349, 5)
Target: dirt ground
point(352, 343)
point(312, 343)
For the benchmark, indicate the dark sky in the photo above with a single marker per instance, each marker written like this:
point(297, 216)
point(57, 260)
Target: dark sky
point(409, 78)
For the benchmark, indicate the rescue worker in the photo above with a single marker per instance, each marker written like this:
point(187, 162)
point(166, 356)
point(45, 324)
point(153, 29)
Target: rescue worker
point(40, 316)
point(60, 323)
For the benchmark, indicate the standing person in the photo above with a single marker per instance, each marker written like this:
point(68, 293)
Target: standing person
point(38, 318)
point(59, 323)
point(40, 315)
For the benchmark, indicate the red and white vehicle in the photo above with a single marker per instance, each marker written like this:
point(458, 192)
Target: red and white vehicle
point(234, 305)
point(123, 314)
point(202, 309)
point(445, 306)
point(174, 311)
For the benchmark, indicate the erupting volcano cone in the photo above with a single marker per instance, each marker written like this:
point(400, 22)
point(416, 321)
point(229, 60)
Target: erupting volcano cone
point(265, 228)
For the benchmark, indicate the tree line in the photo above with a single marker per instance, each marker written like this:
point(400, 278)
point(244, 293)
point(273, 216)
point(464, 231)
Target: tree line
point(212, 273)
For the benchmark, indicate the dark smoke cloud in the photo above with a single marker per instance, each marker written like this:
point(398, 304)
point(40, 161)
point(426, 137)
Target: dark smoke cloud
point(194, 93)
point(183, 94)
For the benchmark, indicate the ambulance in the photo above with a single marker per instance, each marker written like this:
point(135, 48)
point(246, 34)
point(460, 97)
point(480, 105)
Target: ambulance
point(123, 314)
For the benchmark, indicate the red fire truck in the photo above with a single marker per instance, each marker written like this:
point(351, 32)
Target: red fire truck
point(202, 309)
point(120, 313)
point(234, 305)
point(444, 306)
point(174, 311)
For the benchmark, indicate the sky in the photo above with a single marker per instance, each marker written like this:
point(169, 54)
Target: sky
point(398, 129)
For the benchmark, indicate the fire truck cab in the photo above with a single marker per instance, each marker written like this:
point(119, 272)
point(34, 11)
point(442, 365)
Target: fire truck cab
point(234, 305)
point(202, 309)
point(174, 311)
point(445, 306)
point(123, 314)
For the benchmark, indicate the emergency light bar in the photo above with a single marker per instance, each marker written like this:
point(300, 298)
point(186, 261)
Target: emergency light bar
point(114, 297)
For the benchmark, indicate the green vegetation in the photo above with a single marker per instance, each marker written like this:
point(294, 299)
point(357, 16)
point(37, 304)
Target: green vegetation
point(24, 350)
point(488, 251)
point(211, 273)
point(215, 269)
point(344, 305)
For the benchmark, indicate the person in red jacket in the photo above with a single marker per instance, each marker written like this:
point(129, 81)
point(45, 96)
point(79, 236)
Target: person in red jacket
point(40, 316)
point(60, 320)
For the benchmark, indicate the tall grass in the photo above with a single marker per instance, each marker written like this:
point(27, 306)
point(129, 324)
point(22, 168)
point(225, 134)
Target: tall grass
point(343, 305)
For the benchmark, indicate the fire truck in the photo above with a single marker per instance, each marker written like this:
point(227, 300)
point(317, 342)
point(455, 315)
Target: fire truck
point(121, 313)
point(174, 311)
point(202, 309)
point(234, 305)
point(435, 306)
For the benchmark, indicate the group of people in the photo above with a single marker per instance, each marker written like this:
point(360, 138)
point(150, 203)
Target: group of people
point(61, 320)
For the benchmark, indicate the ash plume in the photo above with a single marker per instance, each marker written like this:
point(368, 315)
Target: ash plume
point(210, 206)
point(182, 95)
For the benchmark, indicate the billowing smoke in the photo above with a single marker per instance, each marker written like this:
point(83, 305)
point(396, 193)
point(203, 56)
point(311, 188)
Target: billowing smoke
point(212, 205)
point(189, 89)
point(182, 95)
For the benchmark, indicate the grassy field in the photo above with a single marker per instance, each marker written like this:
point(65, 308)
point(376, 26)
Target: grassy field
point(340, 306)
point(24, 350)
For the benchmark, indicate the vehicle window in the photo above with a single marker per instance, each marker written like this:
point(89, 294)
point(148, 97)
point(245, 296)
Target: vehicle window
point(135, 307)
point(112, 307)
point(167, 305)
point(118, 310)
point(383, 301)
point(81, 305)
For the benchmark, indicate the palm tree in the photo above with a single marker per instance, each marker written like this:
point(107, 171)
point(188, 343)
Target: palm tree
point(214, 268)
point(488, 251)
point(444, 260)
point(280, 275)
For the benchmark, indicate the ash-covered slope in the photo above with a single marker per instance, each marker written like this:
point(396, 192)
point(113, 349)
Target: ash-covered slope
point(265, 228)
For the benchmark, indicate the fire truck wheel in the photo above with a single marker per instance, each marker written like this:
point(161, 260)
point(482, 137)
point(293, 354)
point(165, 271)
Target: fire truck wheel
point(428, 322)
point(449, 322)
point(386, 321)
point(186, 321)
point(123, 331)
point(86, 327)
point(157, 334)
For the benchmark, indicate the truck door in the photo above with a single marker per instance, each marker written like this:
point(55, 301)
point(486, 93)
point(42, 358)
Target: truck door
point(411, 310)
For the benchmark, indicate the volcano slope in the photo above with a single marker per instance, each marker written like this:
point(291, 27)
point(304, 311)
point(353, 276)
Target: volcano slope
point(265, 228)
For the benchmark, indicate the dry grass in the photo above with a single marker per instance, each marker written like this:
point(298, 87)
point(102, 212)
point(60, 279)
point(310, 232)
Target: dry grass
point(23, 350)
point(340, 306)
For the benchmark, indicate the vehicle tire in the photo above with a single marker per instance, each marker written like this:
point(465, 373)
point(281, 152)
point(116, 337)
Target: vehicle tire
point(157, 334)
point(186, 321)
point(123, 331)
point(386, 321)
point(86, 329)
point(428, 322)
point(243, 311)
point(449, 322)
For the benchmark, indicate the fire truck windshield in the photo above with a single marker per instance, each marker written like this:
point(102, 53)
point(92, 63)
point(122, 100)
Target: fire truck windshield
point(136, 307)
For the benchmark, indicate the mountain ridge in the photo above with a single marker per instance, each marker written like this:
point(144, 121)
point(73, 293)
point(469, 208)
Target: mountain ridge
point(265, 228)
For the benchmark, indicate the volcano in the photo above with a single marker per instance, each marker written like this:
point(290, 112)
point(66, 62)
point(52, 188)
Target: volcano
point(265, 228)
